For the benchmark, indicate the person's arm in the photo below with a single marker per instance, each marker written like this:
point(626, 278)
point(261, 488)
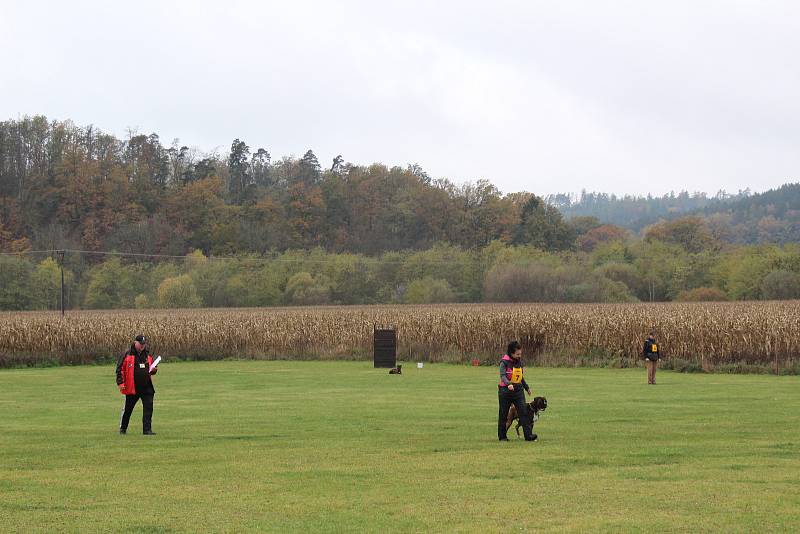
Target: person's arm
point(503, 377)
point(525, 385)
point(121, 359)
point(155, 369)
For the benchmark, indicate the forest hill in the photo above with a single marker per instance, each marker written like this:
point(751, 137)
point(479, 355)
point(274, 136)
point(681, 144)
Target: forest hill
point(293, 232)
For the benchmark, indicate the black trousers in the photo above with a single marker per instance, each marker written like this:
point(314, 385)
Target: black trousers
point(517, 398)
point(147, 411)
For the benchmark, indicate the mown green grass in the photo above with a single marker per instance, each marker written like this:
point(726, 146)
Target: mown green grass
point(341, 447)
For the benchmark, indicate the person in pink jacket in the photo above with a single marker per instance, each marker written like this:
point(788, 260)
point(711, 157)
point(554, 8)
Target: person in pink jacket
point(511, 390)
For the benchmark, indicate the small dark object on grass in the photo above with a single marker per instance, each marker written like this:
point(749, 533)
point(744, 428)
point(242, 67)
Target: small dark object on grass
point(396, 370)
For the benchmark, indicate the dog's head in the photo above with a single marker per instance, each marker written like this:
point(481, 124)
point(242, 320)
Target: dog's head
point(538, 404)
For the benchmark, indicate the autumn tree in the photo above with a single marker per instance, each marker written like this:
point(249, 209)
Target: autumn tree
point(691, 233)
point(601, 234)
point(542, 226)
point(239, 177)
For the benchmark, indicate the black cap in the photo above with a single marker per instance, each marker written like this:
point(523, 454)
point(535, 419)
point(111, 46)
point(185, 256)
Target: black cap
point(141, 339)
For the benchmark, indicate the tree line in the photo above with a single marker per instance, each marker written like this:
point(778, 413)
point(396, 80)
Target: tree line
point(62, 186)
point(253, 231)
point(744, 217)
point(613, 271)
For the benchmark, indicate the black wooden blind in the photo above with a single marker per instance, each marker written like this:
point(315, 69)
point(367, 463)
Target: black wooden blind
point(385, 347)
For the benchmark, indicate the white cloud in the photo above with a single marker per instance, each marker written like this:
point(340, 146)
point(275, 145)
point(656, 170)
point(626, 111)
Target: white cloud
point(622, 96)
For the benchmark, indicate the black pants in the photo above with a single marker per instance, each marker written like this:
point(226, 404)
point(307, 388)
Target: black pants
point(147, 411)
point(517, 398)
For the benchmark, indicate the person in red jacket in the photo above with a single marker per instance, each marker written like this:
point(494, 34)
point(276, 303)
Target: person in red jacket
point(135, 382)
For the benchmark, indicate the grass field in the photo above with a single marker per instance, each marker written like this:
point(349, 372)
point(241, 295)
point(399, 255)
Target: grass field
point(340, 447)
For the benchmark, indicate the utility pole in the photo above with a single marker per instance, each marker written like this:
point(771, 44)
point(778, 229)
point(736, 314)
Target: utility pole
point(61, 263)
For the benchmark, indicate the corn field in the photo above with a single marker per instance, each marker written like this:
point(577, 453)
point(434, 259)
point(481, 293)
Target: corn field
point(552, 334)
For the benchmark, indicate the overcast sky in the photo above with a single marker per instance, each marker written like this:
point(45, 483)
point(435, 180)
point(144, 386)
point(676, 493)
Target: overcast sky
point(544, 96)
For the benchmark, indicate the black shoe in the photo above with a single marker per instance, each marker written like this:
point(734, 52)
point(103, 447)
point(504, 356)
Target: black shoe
point(149, 433)
point(503, 439)
point(123, 430)
point(533, 437)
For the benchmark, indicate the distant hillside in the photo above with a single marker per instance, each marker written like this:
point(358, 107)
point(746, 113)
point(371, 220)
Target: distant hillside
point(141, 224)
point(744, 217)
point(769, 217)
point(64, 186)
point(636, 212)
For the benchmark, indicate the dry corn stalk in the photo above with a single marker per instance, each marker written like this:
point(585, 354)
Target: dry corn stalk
point(755, 332)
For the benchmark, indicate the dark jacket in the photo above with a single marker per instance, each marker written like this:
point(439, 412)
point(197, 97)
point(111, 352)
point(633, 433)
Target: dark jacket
point(507, 365)
point(133, 373)
point(651, 350)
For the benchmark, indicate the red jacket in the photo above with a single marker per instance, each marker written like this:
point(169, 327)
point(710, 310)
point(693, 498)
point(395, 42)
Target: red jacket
point(125, 370)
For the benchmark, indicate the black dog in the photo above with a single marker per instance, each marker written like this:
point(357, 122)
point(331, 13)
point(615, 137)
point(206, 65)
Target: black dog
point(396, 370)
point(539, 404)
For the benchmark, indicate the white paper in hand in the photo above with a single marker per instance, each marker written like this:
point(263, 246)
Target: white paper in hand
point(155, 363)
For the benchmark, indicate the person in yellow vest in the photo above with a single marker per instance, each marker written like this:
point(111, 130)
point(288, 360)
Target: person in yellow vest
point(651, 356)
point(511, 390)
